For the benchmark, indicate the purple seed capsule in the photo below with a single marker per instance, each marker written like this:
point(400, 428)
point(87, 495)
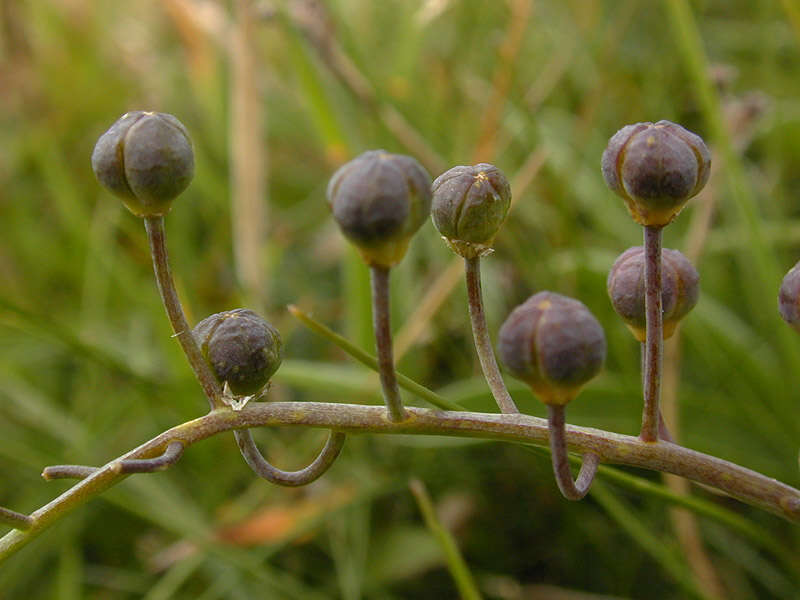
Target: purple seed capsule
point(146, 159)
point(243, 350)
point(469, 206)
point(789, 297)
point(655, 168)
point(680, 289)
point(554, 344)
point(379, 201)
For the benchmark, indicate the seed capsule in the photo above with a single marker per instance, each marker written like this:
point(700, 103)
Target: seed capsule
point(146, 159)
point(379, 201)
point(469, 206)
point(554, 344)
point(789, 298)
point(680, 289)
point(656, 168)
point(243, 350)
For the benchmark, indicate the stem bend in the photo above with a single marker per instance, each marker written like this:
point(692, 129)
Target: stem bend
point(256, 461)
point(571, 490)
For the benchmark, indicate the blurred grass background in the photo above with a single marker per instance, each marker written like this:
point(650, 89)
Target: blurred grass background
point(276, 96)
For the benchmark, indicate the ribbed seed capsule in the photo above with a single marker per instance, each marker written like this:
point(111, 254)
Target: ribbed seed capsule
point(554, 344)
point(243, 350)
point(379, 201)
point(469, 206)
point(789, 297)
point(656, 168)
point(146, 159)
point(680, 289)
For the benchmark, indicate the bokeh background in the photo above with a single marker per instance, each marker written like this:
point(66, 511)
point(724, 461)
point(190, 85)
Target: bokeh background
point(276, 96)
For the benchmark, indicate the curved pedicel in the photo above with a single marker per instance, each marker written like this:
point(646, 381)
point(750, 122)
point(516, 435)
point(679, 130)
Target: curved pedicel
point(256, 461)
point(172, 454)
point(169, 457)
point(571, 490)
point(15, 519)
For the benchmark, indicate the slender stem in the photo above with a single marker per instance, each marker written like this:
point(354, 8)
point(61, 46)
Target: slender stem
point(169, 296)
point(15, 519)
point(68, 472)
point(383, 342)
point(611, 448)
point(127, 466)
point(663, 431)
point(654, 344)
point(171, 455)
point(483, 343)
point(256, 461)
point(558, 449)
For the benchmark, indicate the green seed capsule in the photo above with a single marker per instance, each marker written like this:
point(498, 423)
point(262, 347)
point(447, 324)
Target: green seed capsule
point(656, 168)
point(554, 344)
point(680, 289)
point(243, 350)
point(379, 201)
point(469, 206)
point(146, 159)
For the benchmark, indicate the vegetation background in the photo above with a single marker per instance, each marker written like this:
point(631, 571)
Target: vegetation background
point(276, 96)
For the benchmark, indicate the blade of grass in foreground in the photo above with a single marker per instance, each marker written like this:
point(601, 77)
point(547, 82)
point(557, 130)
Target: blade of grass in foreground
point(664, 555)
point(370, 361)
point(458, 568)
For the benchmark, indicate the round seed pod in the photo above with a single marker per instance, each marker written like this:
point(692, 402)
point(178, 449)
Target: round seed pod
point(243, 350)
point(469, 206)
point(655, 168)
point(554, 344)
point(680, 289)
point(379, 201)
point(146, 159)
point(789, 297)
